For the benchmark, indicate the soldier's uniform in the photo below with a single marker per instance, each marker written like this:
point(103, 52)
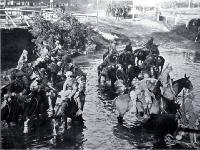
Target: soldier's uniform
point(128, 48)
point(70, 88)
point(18, 87)
point(149, 43)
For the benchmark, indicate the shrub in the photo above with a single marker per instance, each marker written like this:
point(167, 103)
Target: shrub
point(72, 34)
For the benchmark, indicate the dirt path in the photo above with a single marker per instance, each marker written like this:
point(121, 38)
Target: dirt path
point(140, 31)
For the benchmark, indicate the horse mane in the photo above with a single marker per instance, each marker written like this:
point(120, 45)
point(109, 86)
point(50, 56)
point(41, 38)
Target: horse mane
point(177, 81)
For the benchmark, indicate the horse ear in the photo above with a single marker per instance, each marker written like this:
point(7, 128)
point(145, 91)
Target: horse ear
point(185, 75)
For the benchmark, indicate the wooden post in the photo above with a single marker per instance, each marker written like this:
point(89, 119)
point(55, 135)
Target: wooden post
point(5, 3)
point(189, 3)
point(175, 22)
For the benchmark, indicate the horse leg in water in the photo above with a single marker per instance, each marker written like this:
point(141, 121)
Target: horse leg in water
point(26, 125)
point(54, 127)
point(50, 110)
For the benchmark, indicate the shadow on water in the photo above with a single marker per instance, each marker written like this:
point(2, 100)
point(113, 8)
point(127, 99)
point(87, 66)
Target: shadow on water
point(197, 57)
point(40, 135)
point(73, 138)
point(142, 138)
point(135, 134)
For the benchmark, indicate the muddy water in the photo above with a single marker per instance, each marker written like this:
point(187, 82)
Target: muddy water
point(101, 129)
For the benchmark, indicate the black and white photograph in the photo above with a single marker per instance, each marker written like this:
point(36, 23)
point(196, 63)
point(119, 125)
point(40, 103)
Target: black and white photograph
point(100, 74)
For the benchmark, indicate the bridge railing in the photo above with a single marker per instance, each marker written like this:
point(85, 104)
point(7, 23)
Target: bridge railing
point(85, 17)
point(16, 17)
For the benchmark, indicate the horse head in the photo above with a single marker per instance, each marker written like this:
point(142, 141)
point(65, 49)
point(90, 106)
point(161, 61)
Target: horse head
point(187, 83)
point(154, 49)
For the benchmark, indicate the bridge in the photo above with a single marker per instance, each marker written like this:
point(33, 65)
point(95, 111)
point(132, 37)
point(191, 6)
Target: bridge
point(17, 18)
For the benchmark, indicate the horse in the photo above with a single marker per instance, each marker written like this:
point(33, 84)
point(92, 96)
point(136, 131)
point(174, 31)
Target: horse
point(123, 104)
point(70, 108)
point(105, 69)
point(126, 59)
point(154, 61)
point(178, 86)
point(133, 72)
point(27, 106)
point(109, 73)
point(141, 55)
point(169, 106)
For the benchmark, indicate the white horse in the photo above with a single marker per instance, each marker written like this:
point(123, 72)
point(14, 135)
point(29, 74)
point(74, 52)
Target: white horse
point(127, 102)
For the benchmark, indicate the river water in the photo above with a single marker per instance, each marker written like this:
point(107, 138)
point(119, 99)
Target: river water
point(101, 129)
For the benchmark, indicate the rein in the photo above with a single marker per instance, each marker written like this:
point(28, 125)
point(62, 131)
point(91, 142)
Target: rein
point(8, 112)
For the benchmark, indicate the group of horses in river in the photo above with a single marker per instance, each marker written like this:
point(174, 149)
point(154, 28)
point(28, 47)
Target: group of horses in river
point(164, 111)
point(40, 99)
point(125, 67)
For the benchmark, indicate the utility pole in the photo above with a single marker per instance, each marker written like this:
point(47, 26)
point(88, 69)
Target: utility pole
point(51, 3)
point(97, 12)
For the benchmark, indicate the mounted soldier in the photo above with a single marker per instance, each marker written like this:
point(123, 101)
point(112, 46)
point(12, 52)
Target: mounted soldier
point(57, 52)
point(128, 48)
point(166, 79)
point(19, 87)
point(149, 43)
point(81, 81)
point(22, 60)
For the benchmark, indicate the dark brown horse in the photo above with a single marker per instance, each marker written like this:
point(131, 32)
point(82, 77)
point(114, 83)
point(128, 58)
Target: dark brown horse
point(126, 59)
point(154, 61)
point(25, 106)
point(168, 105)
point(142, 53)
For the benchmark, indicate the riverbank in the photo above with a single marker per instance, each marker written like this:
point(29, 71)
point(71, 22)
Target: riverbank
point(140, 31)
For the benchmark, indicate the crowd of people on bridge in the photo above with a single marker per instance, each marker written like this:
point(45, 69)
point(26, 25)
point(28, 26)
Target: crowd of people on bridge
point(118, 11)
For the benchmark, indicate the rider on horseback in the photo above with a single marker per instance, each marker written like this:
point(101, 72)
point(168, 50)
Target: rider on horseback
point(80, 77)
point(17, 87)
point(128, 48)
point(149, 43)
point(57, 52)
point(166, 78)
point(23, 59)
point(70, 88)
